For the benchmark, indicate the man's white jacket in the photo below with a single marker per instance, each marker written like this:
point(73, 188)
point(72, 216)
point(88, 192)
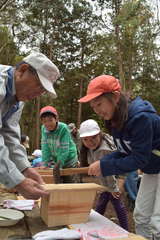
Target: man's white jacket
point(13, 157)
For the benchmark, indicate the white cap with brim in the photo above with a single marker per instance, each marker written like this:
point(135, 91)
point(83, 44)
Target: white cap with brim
point(89, 128)
point(46, 70)
point(37, 153)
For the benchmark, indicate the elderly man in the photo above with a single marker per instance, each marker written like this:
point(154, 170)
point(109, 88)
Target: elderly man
point(32, 77)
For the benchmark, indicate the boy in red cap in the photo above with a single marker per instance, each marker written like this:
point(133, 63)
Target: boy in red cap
point(56, 142)
point(135, 127)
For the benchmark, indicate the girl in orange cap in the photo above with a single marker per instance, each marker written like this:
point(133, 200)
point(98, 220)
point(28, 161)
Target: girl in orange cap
point(135, 127)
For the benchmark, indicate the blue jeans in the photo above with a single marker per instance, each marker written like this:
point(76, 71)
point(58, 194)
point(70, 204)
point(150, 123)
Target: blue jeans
point(131, 185)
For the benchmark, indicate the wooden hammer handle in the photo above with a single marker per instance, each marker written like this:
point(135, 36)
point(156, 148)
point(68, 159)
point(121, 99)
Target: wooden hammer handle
point(72, 171)
point(65, 171)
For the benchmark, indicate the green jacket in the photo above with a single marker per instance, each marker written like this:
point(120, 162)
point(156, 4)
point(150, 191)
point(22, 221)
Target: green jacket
point(58, 145)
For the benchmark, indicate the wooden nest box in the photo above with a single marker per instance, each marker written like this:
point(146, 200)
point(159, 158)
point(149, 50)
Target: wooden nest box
point(68, 203)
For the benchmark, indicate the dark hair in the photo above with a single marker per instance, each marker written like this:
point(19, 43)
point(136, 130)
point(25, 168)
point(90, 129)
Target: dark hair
point(48, 114)
point(83, 156)
point(23, 138)
point(121, 112)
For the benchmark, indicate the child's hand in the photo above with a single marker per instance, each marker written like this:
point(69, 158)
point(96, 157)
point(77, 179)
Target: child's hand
point(78, 164)
point(94, 169)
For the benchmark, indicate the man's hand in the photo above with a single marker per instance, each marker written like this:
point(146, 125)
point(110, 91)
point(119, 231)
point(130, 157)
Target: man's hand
point(33, 174)
point(31, 189)
point(95, 169)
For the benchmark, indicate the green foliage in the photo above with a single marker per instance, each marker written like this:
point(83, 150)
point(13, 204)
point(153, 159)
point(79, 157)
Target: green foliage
point(8, 49)
point(84, 40)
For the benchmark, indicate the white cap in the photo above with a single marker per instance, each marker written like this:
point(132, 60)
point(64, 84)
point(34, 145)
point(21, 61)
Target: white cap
point(37, 153)
point(89, 128)
point(46, 70)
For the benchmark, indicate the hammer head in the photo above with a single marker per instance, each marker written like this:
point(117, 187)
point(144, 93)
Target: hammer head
point(56, 173)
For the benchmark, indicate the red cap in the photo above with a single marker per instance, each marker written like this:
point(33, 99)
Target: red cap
point(48, 109)
point(99, 85)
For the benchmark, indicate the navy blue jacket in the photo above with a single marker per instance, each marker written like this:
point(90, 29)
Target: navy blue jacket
point(135, 142)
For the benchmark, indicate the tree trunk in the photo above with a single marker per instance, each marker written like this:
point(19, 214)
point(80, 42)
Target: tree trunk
point(80, 104)
point(37, 122)
point(116, 6)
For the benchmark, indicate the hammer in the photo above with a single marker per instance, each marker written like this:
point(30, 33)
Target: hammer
point(57, 172)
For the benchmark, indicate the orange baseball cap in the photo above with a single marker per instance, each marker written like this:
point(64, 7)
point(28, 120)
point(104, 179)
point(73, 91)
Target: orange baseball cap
point(48, 109)
point(99, 85)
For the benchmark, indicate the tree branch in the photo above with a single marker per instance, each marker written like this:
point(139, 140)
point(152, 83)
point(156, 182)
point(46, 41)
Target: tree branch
point(4, 4)
point(1, 49)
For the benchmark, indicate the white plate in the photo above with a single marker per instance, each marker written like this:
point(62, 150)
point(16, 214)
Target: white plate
point(14, 215)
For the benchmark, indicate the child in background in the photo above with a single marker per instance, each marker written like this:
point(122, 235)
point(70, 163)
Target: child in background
point(56, 142)
point(25, 141)
point(135, 127)
point(37, 161)
point(95, 144)
point(75, 136)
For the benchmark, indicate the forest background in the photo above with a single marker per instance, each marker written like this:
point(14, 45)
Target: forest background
point(84, 38)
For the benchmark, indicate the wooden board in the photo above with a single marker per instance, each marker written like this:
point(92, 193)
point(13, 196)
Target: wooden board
point(134, 237)
point(32, 223)
point(72, 186)
point(64, 172)
point(28, 226)
point(48, 179)
point(35, 222)
point(47, 171)
point(48, 175)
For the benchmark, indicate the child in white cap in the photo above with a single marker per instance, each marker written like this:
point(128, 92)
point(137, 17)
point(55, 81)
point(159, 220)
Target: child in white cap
point(96, 144)
point(37, 161)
